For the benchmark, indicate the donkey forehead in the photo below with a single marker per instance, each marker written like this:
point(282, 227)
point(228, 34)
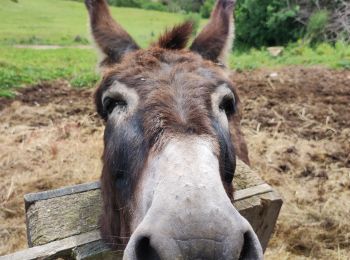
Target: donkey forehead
point(158, 67)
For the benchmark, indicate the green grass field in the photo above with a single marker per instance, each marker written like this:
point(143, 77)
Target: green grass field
point(61, 21)
point(20, 67)
point(65, 23)
point(334, 57)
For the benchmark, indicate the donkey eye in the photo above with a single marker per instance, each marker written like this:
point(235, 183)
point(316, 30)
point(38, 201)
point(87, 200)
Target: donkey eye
point(109, 104)
point(228, 105)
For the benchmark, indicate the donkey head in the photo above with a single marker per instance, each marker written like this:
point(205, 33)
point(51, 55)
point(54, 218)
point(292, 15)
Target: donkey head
point(171, 138)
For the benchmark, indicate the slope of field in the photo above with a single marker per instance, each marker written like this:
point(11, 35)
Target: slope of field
point(32, 24)
point(297, 125)
point(65, 22)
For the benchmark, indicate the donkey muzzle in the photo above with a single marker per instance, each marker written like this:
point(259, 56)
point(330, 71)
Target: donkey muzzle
point(184, 212)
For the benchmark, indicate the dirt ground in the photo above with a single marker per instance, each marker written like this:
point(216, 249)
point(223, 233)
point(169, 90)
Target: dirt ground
point(297, 125)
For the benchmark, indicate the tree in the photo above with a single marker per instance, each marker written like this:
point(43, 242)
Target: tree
point(266, 23)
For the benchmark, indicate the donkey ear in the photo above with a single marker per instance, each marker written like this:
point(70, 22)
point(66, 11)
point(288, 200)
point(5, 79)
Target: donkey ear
point(215, 40)
point(110, 37)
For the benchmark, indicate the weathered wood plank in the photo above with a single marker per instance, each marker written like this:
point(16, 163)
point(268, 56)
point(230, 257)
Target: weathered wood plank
point(261, 211)
point(252, 191)
point(54, 250)
point(45, 195)
point(72, 211)
point(95, 251)
point(245, 177)
point(61, 217)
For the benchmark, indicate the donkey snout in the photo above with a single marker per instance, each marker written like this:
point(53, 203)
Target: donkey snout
point(188, 215)
point(156, 247)
point(220, 238)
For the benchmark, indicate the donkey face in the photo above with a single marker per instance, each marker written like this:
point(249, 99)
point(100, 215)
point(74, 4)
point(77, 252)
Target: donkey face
point(171, 138)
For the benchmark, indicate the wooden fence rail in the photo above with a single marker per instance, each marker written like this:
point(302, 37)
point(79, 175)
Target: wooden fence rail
point(63, 223)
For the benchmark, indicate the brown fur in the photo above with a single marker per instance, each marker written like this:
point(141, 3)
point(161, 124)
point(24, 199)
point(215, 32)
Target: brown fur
point(177, 38)
point(110, 37)
point(213, 40)
point(175, 87)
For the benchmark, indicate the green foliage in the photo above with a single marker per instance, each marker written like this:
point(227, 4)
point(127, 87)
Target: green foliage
point(173, 7)
point(126, 3)
point(153, 6)
point(265, 23)
point(189, 6)
point(324, 49)
point(206, 8)
point(316, 26)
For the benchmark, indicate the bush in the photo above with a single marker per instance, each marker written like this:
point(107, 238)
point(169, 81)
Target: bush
point(333, 25)
point(206, 8)
point(173, 7)
point(324, 49)
point(153, 6)
point(266, 23)
point(317, 25)
point(189, 6)
point(126, 3)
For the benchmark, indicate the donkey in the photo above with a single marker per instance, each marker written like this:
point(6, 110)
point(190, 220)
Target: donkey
point(172, 134)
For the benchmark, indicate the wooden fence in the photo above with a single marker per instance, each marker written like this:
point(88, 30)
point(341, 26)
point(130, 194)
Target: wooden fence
point(63, 223)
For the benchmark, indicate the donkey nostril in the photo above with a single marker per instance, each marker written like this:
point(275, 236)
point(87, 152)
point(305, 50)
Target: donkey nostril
point(144, 250)
point(251, 247)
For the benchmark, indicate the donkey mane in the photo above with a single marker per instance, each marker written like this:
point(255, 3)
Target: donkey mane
point(176, 38)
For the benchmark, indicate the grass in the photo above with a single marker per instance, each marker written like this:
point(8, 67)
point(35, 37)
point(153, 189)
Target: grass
point(63, 22)
point(26, 66)
point(334, 57)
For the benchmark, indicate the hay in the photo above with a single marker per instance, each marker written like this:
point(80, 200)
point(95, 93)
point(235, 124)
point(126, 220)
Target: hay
point(298, 132)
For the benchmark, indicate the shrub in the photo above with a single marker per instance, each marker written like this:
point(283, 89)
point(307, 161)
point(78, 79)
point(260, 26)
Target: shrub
point(126, 3)
point(206, 8)
point(153, 6)
point(189, 6)
point(266, 23)
point(173, 7)
point(324, 49)
point(332, 25)
point(317, 25)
